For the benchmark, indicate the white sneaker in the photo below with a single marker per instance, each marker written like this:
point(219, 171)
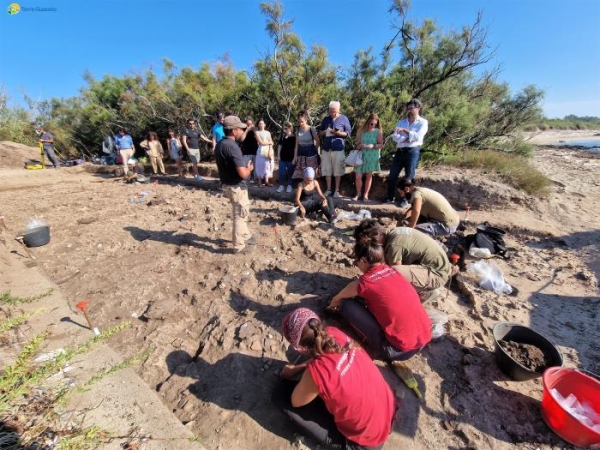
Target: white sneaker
point(327, 193)
point(289, 189)
point(280, 188)
point(199, 178)
point(336, 194)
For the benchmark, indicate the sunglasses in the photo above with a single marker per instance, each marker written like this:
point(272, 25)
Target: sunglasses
point(191, 123)
point(373, 123)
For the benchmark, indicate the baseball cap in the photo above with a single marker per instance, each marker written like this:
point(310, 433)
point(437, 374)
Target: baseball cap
point(232, 122)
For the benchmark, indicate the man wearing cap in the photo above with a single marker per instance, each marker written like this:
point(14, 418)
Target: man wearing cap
point(408, 136)
point(233, 173)
point(335, 129)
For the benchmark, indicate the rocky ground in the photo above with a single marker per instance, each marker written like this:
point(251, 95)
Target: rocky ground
point(159, 254)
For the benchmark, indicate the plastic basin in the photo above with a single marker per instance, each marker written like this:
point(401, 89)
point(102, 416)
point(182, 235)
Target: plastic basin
point(565, 425)
point(524, 335)
point(288, 215)
point(36, 237)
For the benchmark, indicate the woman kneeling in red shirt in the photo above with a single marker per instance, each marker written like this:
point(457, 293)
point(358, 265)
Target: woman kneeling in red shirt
point(342, 399)
point(389, 316)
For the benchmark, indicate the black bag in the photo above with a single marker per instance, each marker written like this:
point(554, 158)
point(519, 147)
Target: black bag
point(488, 237)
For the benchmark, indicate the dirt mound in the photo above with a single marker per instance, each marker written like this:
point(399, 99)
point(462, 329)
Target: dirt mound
point(13, 154)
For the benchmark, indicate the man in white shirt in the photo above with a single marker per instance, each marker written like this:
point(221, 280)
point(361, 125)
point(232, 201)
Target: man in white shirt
point(408, 136)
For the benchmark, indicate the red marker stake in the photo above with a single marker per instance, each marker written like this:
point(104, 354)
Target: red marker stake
point(81, 306)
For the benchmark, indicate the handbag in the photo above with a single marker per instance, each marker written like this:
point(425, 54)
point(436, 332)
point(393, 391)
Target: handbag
point(354, 158)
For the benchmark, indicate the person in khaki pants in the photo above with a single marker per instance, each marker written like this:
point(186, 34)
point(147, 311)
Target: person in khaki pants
point(233, 173)
point(154, 151)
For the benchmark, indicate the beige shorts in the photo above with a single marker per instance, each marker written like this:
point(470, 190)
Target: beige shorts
point(194, 154)
point(333, 163)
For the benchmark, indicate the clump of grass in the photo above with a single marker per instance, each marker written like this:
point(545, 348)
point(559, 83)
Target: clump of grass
point(27, 406)
point(514, 169)
point(122, 365)
point(7, 298)
point(12, 322)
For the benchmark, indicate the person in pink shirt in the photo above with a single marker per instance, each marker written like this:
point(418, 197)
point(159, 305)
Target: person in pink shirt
point(388, 315)
point(341, 399)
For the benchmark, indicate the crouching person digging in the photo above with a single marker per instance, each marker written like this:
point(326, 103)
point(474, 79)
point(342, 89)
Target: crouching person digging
point(341, 399)
point(388, 315)
point(309, 197)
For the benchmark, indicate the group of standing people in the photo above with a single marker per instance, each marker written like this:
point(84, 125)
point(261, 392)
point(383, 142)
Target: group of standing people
point(188, 141)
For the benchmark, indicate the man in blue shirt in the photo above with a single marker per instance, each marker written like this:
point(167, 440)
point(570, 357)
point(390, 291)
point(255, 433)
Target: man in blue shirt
point(217, 131)
point(335, 129)
point(48, 141)
point(124, 144)
point(408, 136)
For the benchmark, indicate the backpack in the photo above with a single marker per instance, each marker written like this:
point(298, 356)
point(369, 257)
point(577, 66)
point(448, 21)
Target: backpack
point(488, 237)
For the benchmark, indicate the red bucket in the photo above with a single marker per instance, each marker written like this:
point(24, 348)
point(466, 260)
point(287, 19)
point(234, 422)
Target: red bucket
point(585, 388)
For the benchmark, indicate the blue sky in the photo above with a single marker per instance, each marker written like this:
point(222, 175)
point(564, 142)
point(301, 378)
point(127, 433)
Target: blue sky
point(552, 44)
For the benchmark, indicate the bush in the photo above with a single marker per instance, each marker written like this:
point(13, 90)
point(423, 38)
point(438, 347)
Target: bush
point(515, 170)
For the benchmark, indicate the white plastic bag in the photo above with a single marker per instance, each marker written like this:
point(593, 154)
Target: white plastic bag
point(360, 215)
point(438, 320)
point(354, 158)
point(34, 222)
point(490, 277)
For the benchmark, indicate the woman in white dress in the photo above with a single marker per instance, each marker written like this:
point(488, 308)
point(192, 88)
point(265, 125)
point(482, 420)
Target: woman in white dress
point(265, 156)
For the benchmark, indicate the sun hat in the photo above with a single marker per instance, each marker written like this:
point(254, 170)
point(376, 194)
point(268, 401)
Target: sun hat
point(131, 161)
point(309, 173)
point(294, 323)
point(232, 122)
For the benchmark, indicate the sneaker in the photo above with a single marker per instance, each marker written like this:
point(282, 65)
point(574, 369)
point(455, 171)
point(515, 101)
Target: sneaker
point(403, 203)
point(387, 201)
point(252, 240)
point(327, 193)
point(336, 194)
point(280, 189)
point(289, 189)
point(198, 178)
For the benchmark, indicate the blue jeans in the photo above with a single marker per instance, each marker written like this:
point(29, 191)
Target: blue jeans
point(286, 170)
point(404, 158)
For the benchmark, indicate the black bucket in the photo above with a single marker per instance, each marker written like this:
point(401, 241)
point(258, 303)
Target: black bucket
point(36, 237)
point(288, 215)
point(505, 331)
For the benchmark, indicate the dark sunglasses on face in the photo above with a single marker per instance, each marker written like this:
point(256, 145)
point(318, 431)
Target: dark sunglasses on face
point(373, 123)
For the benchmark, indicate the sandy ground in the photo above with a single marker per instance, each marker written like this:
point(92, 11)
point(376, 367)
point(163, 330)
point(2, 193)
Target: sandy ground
point(554, 137)
point(157, 254)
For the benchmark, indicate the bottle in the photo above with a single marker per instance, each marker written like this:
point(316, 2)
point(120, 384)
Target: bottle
point(477, 252)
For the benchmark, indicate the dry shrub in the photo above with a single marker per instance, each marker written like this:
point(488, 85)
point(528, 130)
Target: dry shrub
point(516, 170)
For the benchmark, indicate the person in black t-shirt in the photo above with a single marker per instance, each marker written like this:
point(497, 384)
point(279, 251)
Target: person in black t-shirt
point(249, 143)
point(233, 173)
point(285, 155)
point(190, 137)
